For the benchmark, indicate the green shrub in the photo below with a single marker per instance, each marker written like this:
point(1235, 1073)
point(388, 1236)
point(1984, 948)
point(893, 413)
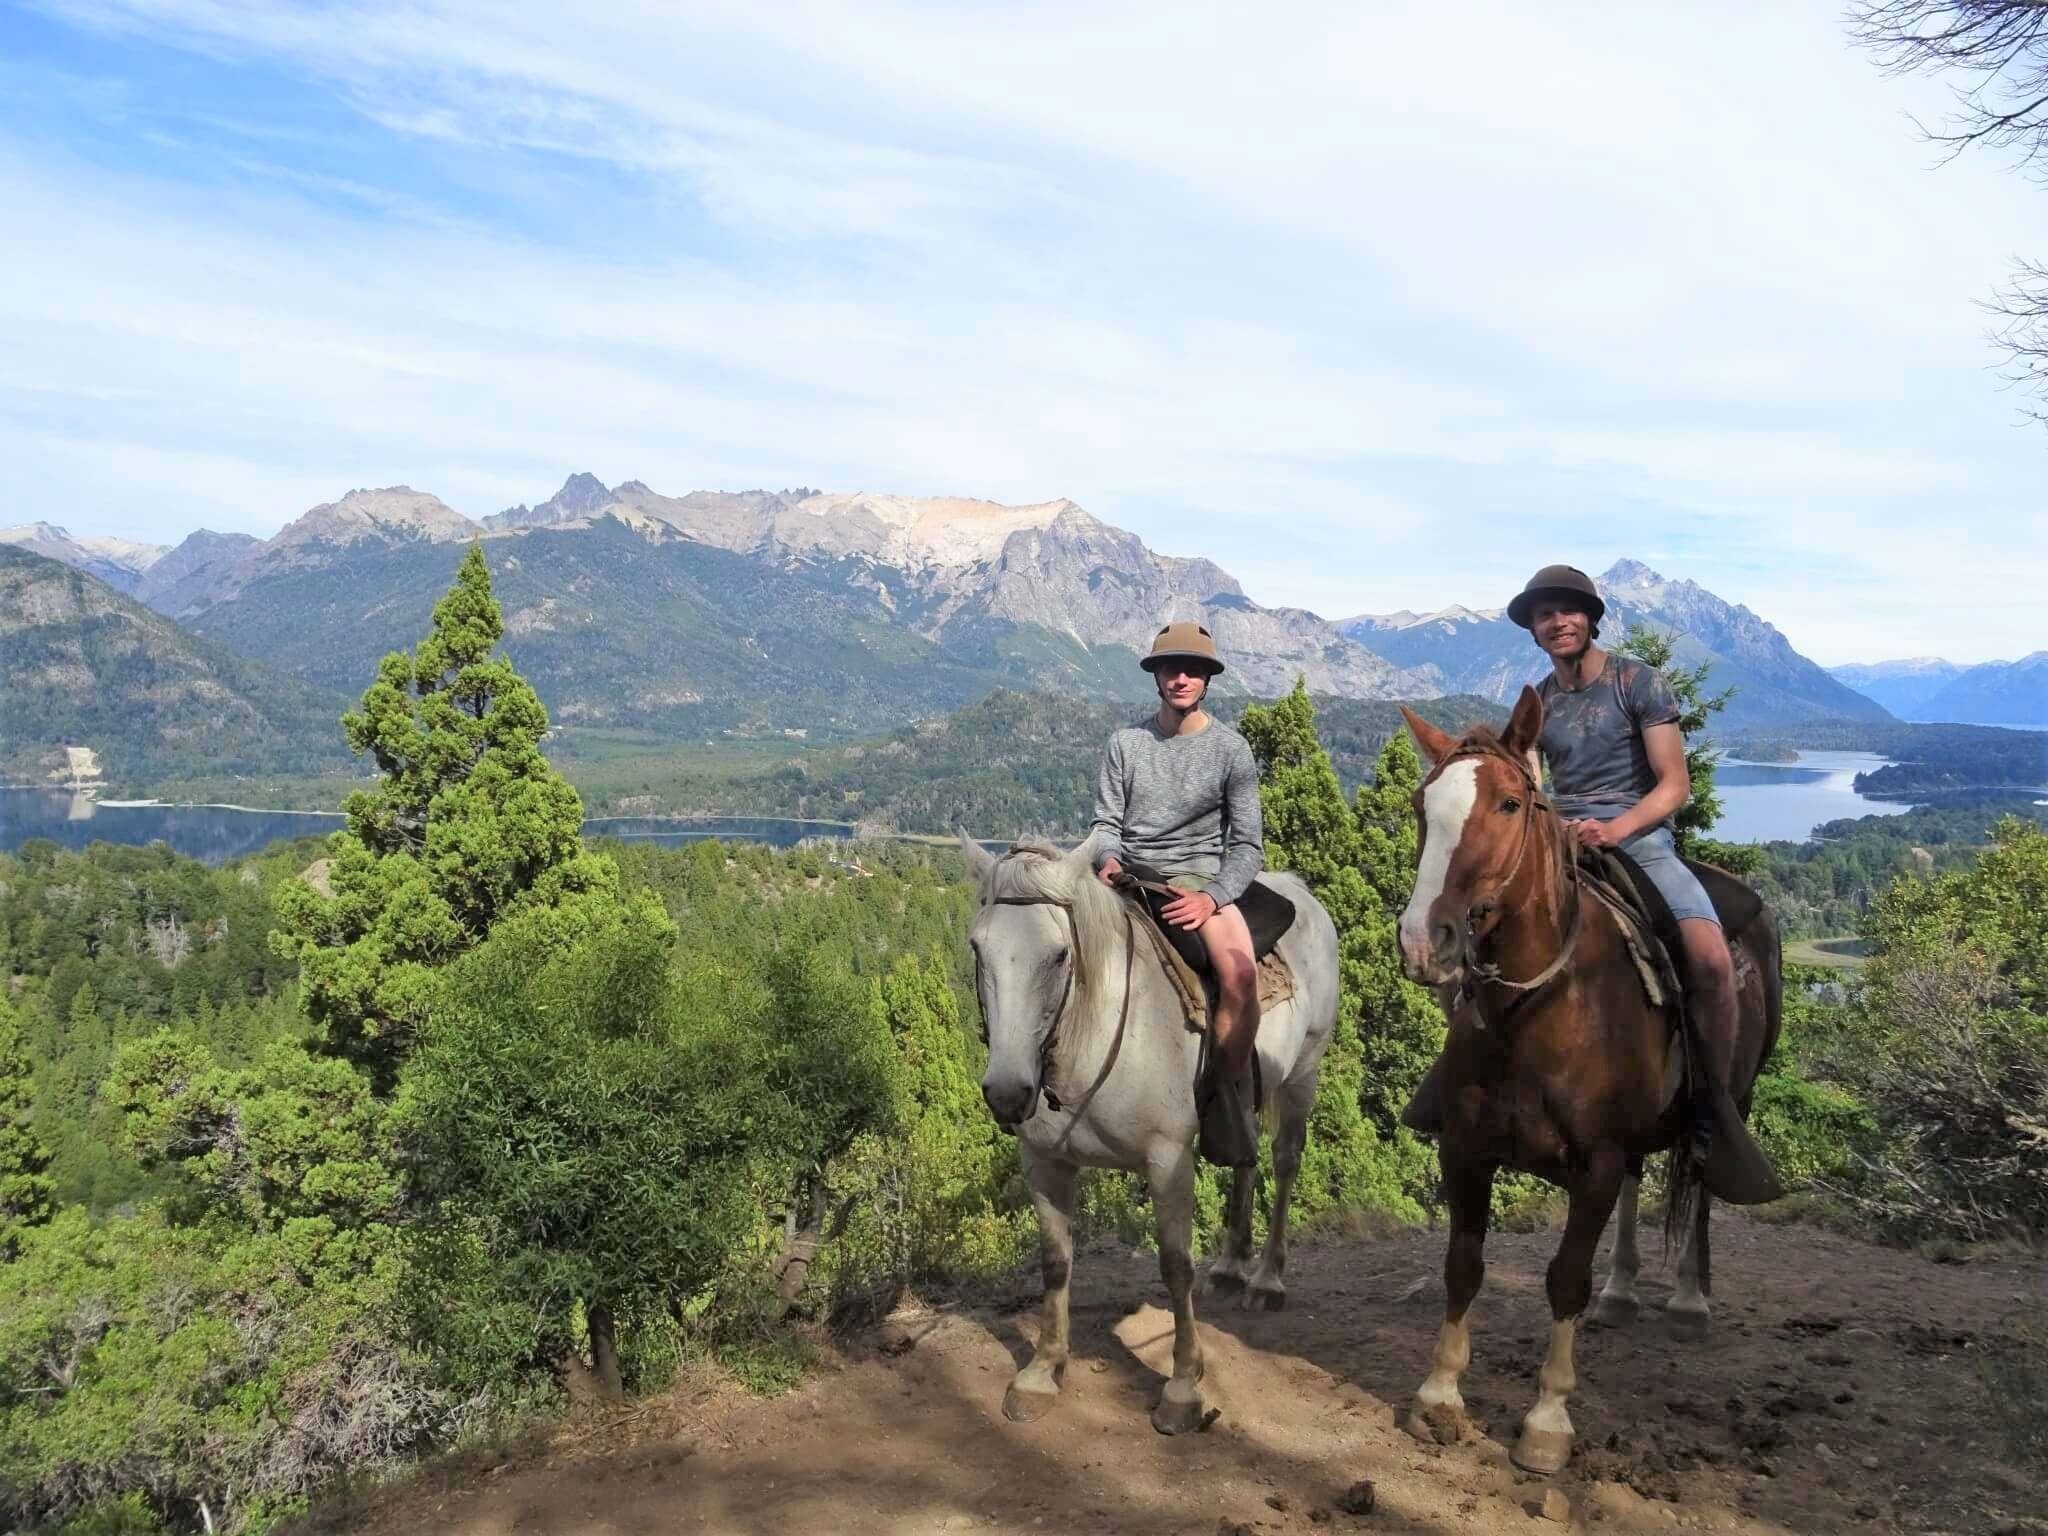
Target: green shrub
point(1809, 1130)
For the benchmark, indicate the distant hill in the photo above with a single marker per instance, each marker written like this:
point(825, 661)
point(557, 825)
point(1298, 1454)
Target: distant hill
point(1900, 686)
point(1481, 651)
point(190, 576)
point(84, 667)
point(1929, 688)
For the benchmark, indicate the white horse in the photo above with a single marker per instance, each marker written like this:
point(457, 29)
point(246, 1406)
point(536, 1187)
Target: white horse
point(1091, 1065)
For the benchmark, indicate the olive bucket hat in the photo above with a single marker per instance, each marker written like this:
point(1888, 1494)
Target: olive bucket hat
point(1183, 640)
point(1557, 584)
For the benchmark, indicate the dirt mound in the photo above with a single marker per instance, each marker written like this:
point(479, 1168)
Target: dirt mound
point(1841, 1390)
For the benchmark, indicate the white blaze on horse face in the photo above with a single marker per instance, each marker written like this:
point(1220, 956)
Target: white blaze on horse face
point(1446, 807)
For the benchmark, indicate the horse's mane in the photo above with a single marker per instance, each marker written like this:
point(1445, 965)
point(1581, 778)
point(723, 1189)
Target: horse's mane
point(1035, 871)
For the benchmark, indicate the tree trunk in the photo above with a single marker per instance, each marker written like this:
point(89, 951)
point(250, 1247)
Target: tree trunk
point(604, 1349)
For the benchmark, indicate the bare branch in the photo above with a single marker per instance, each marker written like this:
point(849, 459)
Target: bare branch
point(2002, 45)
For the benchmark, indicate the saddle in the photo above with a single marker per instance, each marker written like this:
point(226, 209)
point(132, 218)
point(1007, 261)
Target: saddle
point(1185, 958)
point(1734, 902)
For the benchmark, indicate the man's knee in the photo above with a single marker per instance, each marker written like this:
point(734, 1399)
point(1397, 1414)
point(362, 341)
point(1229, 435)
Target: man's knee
point(1237, 977)
point(1706, 953)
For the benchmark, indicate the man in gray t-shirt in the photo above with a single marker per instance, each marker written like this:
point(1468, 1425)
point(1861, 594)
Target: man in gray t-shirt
point(1179, 794)
point(1618, 776)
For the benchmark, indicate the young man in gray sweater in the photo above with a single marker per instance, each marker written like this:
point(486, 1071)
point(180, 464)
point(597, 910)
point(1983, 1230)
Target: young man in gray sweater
point(1179, 795)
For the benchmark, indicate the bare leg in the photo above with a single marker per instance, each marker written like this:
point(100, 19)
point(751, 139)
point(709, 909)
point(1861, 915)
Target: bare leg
point(1687, 1308)
point(1229, 943)
point(1224, 1099)
point(1268, 1287)
point(1546, 1442)
point(1036, 1388)
point(1227, 1276)
point(1439, 1411)
point(1618, 1303)
point(1173, 1204)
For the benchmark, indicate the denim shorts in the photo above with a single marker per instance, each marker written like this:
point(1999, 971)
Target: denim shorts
point(1657, 855)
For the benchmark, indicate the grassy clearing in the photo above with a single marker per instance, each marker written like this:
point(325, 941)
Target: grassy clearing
point(1840, 953)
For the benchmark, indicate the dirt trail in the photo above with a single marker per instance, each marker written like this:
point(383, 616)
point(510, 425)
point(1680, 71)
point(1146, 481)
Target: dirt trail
point(1840, 1391)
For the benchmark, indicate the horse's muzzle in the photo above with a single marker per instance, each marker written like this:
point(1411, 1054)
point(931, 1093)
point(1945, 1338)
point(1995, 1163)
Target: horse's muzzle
point(1009, 1099)
point(1433, 957)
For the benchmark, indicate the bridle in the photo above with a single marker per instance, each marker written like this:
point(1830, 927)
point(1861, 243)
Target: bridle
point(1052, 1036)
point(1486, 971)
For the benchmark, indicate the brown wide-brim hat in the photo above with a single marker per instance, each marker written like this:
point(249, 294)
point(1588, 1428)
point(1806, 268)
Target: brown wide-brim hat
point(1183, 640)
point(1557, 584)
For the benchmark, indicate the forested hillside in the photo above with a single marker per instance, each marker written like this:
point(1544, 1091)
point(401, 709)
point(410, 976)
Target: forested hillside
point(81, 665)
point(1010, 764)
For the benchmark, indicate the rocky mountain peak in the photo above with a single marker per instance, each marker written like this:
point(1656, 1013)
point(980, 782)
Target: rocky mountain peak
point(118, 562)
point(1630, 573)
point(393, 514)
point(581, 493)
point(29, 533)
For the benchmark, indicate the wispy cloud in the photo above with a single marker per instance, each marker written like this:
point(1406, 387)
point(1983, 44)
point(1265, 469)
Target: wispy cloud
point(1376, 308)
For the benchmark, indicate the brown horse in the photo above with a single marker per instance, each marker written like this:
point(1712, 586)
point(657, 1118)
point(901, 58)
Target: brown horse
point(1557, 1064)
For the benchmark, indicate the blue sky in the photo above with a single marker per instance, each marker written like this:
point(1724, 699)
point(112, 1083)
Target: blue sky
point(1375, 311)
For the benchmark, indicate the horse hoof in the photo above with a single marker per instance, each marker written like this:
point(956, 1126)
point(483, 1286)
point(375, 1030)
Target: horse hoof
point(1180, 1409)
point(1689, 1325)
point(1224, 1283)
point(1436, 1423)
point(1021, 1405)
point(1265, 1298)
point(1542, 1451)
point(1617, 1311)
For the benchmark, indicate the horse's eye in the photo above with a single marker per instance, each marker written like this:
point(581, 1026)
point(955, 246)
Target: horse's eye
point(1511, 805)
point(1061, 957)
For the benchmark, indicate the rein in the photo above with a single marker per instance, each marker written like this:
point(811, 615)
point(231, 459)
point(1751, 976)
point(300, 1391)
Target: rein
point(1484, 971)
point(1052, 1035)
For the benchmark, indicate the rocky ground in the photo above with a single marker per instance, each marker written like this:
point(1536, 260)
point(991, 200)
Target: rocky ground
point(1843, 1389)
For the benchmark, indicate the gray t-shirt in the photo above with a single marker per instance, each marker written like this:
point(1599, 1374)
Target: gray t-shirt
point(1593, 738)
point(1186, 805)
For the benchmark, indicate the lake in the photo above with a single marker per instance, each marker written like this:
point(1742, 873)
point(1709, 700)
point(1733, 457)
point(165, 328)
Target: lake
point(1767, 802)
point(216, 833)
point(1760, 802)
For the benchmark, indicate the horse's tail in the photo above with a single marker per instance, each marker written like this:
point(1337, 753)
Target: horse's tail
point(1686, 1182)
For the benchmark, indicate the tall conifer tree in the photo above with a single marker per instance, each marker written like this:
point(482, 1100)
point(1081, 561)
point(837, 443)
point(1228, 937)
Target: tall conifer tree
point(469, 821)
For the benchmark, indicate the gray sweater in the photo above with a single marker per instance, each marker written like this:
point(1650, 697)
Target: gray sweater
point(1186, 805)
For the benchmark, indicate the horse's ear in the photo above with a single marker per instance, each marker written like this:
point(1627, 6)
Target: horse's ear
point(1084, 854)
point(1436, 744)
point(979, 860)
point(1525, 725)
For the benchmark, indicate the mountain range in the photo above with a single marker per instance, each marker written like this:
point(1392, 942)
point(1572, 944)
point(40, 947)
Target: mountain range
point(754, 611)
point(1482, 651)
point(1929, 688)
point(806, 613)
